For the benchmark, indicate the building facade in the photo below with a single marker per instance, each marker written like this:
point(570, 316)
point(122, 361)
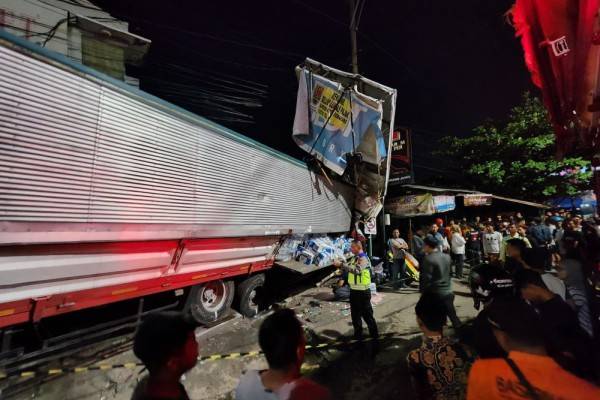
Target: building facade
point(78, 30)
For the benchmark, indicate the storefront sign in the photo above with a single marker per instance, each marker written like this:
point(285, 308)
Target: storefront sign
point(411, 206)
point(475, 200)
point(401, 163)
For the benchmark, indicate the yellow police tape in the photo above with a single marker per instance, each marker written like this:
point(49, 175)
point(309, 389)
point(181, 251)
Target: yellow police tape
point(131, 365)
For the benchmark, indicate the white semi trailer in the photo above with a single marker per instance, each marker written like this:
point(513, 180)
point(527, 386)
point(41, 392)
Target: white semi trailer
point(108, 193)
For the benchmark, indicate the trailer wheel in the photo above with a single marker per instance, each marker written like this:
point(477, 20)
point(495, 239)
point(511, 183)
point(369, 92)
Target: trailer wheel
point(249, 294)
point(210, 301)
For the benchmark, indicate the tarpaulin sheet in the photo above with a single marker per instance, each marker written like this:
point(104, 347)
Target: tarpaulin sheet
point(412, 205)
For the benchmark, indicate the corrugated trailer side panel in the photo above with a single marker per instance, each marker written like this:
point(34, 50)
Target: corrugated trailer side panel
point(108, 193)
point(84, 158)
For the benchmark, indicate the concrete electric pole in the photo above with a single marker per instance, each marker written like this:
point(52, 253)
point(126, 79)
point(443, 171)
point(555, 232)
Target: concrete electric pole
point(354, 16)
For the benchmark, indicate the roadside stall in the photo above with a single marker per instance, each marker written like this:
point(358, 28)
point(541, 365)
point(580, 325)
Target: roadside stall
point(423, 204)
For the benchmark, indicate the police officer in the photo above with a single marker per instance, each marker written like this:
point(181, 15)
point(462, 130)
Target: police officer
point(359, 280)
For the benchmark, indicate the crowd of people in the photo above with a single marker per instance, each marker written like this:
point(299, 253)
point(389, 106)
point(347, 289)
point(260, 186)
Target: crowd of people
point(535, 336)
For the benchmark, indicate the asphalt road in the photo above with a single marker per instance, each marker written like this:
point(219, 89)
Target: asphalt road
point(351, 372)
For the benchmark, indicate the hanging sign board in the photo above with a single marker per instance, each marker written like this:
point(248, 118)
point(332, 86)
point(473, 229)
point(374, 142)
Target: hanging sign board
point(401, 163)
point(332, 121)
point(411, 206)
point(476, 200)
point(371, 227)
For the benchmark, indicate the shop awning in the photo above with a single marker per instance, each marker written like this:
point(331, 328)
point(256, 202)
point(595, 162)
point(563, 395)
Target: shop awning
point(524, 202)
point(439, 190)
point(424, 204)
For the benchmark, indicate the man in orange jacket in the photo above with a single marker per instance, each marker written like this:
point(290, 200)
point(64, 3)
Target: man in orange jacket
point(528, 372)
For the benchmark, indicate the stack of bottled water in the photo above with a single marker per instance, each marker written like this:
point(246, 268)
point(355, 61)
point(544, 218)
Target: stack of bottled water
point(321, 251)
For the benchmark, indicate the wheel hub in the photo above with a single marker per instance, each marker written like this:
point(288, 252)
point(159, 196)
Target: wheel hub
point(210, 296)
point(213, 296)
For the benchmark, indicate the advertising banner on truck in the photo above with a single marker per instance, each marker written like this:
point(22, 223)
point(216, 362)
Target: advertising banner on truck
point(411, 206)
point(401, 163)
point(333, 120)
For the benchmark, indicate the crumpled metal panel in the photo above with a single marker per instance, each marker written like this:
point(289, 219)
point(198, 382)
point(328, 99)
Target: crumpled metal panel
point(81, 153)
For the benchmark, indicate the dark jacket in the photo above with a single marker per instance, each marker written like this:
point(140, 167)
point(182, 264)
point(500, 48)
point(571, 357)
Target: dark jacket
point(435, 274)
point(417, 246)
point(484, 341)
point(564, 336)
point(541, 233)
point(474, 240)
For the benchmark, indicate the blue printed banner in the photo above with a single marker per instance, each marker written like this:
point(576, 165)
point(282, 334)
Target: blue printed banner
point(340, 120)
point(444, 203)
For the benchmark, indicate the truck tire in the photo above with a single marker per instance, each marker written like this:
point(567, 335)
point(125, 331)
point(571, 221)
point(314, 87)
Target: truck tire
point(249, 295)
point(210, 301)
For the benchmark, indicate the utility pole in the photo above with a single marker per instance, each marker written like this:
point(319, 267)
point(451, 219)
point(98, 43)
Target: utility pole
point(353, 29)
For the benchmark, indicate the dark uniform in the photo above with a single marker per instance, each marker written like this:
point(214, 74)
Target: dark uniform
point(435, 279)
point(359, 279)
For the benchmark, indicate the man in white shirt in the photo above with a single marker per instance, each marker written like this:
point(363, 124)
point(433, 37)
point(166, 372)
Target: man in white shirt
point(281, 338)
point(458, 250)
point(398, 246)
point(492, 241)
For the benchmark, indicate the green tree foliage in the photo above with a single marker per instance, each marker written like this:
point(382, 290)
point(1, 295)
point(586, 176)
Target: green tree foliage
point(517, 158)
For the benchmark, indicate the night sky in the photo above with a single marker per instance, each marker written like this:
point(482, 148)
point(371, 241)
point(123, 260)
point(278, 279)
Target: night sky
point(454, 64)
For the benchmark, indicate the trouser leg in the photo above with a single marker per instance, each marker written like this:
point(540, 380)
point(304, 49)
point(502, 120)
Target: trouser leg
point(547, 259)
point(395, 271)
point(460, 260)
point(449, 302)
point(403, 273)
point(356, 313)
point(474, 258)
point(368, 314)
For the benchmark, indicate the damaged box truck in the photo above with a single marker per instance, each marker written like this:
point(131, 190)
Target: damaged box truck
point(109, 194)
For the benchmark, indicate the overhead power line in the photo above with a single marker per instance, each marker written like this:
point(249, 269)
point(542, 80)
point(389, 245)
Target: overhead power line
point(361, 33)
point(177, 43)
point(219, 76)
point(214, 37)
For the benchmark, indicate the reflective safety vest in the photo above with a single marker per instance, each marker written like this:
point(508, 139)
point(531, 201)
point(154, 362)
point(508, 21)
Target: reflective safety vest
point(360, 281)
